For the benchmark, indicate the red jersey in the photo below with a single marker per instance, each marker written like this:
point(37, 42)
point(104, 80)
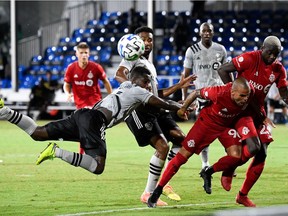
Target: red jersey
point(215, 120)
point(223, 110)
point(251, 66)
point(85, 86)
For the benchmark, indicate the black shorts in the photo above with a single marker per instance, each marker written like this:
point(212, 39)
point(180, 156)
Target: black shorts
point(145, 125)
point(85, 126)
point(276, 103)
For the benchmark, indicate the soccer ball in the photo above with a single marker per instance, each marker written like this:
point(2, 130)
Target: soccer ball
point(130, 47)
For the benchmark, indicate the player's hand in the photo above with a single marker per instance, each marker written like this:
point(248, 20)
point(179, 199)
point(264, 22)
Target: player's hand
point(186, 82)
point(183, 114)
point(268, 121)
point(70, 97)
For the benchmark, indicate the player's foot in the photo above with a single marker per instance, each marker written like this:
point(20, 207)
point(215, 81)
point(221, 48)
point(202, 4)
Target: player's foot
point(244, 200)
point(47, 153)
point(207, 180)
point(4, 110)
point(168, 191)
point(154, 198)
point(226, 179)
point(145, 196)
point(1, 103)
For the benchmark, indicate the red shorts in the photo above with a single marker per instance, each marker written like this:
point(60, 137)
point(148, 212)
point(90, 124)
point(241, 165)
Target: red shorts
point(202, 135)
point(246, 129)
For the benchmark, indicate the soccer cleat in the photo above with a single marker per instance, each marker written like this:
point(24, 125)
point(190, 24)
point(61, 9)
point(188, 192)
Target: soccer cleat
point(207, 180)
point(168, 191)
point(1, 103)
point(4, 110)
point(244, 200)
point(153, 200)
point(145, 196)
point(226, 182)
point(47, 153)
point(226, 179)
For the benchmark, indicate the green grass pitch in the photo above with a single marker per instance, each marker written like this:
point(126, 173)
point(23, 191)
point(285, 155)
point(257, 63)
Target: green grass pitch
point(56, 188)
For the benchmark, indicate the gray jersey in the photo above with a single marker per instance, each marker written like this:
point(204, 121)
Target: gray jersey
point(205, 62)
point(123, 100)
point(143, 62)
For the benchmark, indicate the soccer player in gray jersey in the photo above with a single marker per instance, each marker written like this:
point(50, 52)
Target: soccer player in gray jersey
point(88, 126)
point(203, 59)
point(151, 126)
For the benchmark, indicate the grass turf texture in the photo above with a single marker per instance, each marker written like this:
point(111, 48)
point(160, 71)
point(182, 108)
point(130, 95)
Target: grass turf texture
point(56, 188)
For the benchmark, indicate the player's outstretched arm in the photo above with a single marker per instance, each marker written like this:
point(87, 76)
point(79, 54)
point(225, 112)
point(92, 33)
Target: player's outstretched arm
point(182, 112)
point(121, 74)
point(184, 82)
point(225, 71)
point(160, 103)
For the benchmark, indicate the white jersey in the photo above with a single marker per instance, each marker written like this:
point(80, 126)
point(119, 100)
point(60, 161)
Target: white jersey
point(205, 62)
point(142, 61)
point(123, 100)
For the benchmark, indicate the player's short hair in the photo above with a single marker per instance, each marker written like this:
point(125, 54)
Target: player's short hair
point(272, 41)
point(82, 45)
point(144, 29)
point(206, 24)
point(139, 71)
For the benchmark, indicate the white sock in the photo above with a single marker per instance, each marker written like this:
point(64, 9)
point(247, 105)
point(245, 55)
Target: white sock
point(155, 168)
point(85, 161)
point(22, 121)
point(173, 151)
point(205, 158)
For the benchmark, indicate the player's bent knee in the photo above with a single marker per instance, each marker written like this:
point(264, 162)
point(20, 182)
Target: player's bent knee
point(254, 145)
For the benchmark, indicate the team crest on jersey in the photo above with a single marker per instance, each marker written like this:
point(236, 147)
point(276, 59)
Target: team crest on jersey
point(149, 126)
point(89, 82)
point(191, 143)
point(90, 75)
point(241, 59)
point(272, 78)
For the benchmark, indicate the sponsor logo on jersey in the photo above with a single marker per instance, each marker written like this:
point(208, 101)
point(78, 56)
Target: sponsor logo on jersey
point(224, 115)
point(191, 143)
point(79, 82)
point(260, 87)
point(89, 82)
point(216, 65)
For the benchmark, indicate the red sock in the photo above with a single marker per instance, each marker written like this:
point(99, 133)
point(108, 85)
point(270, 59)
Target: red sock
point(245, 154)
point(225, 163)
point(253, 173)
point(81, 150)
point(172, 168)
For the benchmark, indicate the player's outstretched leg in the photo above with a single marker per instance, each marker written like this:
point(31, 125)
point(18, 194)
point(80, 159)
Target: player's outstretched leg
point(47, 153)
point(152, 201)
point(206, 176)
point(244, 200)
point(170, 193)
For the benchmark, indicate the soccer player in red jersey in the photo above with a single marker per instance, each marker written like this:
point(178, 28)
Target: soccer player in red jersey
point(261, 68)
point(81, 80)
point(227, 102)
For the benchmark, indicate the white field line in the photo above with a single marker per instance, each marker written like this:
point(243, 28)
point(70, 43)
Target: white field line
point(144, 208)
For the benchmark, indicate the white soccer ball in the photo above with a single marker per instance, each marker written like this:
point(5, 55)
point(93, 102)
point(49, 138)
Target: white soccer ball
point(130, 47)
